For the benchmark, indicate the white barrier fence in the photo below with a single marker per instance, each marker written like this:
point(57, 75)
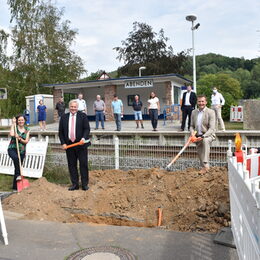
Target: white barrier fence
point(236, 114)
point(34, 160)
point(245, 207)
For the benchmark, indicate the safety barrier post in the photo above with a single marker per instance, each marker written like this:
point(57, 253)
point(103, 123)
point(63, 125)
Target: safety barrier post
point(2, 222)
point(116, 140)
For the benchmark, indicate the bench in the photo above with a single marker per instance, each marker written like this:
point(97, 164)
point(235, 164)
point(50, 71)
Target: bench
point(34, 160)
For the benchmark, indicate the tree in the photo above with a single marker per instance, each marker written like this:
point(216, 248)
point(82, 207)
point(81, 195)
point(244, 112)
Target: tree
point(229, 87)
point(144, 47)
point(42, 49)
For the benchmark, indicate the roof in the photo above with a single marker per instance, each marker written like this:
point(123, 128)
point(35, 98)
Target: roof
point(120, 81)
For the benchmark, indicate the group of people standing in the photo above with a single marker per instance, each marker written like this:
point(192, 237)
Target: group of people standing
point(74, 127)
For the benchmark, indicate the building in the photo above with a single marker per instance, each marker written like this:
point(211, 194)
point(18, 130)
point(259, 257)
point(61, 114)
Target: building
point(168, 88)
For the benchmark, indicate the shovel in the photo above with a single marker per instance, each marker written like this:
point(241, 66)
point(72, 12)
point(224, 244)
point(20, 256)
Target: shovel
point(81, 142)
point(191, 139)
point(23, 183)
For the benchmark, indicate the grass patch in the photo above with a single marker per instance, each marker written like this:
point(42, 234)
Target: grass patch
point(6, 182)
point(56, 174)
point(234, 125)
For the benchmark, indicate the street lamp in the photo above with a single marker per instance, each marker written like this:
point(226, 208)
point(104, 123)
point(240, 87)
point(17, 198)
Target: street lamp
point(191, 18)
point(140, 71)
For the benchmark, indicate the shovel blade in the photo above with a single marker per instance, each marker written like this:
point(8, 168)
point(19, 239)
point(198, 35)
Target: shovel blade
point(22, 184)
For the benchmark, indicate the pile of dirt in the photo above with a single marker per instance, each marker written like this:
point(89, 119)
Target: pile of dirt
point(190, 201)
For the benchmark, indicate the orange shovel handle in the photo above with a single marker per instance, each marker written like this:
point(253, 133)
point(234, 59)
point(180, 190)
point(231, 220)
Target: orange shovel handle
point(76, 144)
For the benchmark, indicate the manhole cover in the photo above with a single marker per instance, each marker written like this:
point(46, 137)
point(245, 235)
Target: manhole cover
point(102, 253)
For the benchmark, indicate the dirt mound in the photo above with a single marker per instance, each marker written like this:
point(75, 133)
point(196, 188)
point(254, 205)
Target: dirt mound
point(190, 201)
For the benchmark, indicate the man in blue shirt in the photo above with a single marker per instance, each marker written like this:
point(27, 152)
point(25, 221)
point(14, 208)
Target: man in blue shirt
point(117, 110)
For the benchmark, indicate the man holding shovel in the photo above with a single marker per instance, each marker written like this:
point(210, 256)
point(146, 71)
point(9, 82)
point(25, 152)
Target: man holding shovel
point(203, 127)
point(73, 128)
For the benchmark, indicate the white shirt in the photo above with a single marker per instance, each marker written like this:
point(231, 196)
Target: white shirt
point(217, 99)
point(153, 103)
point(199, 121)
point(187, 99)
point(82, 105)
point(75, 120)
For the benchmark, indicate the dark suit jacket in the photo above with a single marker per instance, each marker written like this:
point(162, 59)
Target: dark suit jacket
point(82, 128)
point(193, 99)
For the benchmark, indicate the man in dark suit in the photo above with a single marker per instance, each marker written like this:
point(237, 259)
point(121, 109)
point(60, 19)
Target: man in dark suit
point(74, 127)
point(189, 101)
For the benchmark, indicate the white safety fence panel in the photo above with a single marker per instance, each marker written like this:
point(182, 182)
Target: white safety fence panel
point(34, 160)
point(245, 210)
point(253, 165)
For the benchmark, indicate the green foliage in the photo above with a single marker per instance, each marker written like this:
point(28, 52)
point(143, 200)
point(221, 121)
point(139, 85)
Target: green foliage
point(6, 182)
point(41, 52)
point(144, 47)
point(229, 87)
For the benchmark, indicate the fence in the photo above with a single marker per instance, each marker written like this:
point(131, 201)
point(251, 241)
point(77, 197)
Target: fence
point(245, 208)
point(125, 154)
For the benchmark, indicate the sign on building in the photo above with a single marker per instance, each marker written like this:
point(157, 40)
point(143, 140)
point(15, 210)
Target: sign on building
point(144, 83)
point(3, 93)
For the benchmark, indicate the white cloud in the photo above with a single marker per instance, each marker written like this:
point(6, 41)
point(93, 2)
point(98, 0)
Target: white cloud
point(227, 27)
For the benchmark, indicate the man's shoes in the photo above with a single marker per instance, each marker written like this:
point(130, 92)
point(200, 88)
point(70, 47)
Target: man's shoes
point(85, 187)
point(204, 170)
point(103, 128)
point(181, 130)
point(96, 129)
point(73, 187)
point(19, 178)
point(143, 126)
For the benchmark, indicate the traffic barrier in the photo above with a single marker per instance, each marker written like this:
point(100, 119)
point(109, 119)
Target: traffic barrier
point(236, 114)
point(245, 206)
point(3, 226)
point(34, 160)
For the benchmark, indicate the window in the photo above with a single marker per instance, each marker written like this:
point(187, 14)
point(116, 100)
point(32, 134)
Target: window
point(131, 99)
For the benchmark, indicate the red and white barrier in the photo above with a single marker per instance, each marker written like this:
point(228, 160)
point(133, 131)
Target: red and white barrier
point(244, 181)
point(236, 114)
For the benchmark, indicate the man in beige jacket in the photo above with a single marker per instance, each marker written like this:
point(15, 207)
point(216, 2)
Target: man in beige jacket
point(203, 124)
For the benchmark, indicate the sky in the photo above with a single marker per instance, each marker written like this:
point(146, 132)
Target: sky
point(227, 27)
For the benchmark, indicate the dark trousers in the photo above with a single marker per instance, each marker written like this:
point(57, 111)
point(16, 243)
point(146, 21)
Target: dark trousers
point(153, 113)
point(186, 112)
point(100, 117)
point(73, 155)
point(14, 156)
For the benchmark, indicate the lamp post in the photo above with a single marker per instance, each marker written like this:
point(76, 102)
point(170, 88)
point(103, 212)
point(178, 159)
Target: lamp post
point(140, 71)
point(191, 18)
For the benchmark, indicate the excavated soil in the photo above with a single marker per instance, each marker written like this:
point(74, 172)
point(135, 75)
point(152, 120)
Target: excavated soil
point(190, 201)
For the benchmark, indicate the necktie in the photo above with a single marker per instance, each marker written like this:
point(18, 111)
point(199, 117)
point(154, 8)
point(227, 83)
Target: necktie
point(72, 129)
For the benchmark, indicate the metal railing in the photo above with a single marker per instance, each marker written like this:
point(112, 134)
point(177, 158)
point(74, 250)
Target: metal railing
point(125, 154)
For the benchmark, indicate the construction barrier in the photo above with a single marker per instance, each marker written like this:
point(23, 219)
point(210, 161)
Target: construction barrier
point(2, 224)
point(245, 205)
point(236, 114)
point(34, 160)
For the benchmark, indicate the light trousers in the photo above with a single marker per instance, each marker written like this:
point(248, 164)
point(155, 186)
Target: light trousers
point(219, 119)
point(203, 150)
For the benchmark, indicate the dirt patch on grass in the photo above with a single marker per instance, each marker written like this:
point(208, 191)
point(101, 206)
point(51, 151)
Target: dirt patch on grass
point(189, 201)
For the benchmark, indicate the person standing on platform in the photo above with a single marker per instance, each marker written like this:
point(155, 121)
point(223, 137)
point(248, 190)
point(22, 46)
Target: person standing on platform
point(153, 109)
point(42, 109)
point(217, 102)
point(99, 108)
point(74, 127)
point(189, 101)
point(203, 127)
point(60, 107)
point(137, 106)
point(82, 104)
point(118, 111)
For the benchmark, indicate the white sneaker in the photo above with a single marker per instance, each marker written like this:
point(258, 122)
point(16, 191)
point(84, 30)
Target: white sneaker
point(19, 178)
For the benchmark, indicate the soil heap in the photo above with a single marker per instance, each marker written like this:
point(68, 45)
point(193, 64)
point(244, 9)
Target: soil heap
point(189, 200)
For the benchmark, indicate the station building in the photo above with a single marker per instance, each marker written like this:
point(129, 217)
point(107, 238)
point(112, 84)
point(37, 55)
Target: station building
point(168, 88)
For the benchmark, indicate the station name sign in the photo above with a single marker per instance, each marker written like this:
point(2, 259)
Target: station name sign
point(142, 83)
